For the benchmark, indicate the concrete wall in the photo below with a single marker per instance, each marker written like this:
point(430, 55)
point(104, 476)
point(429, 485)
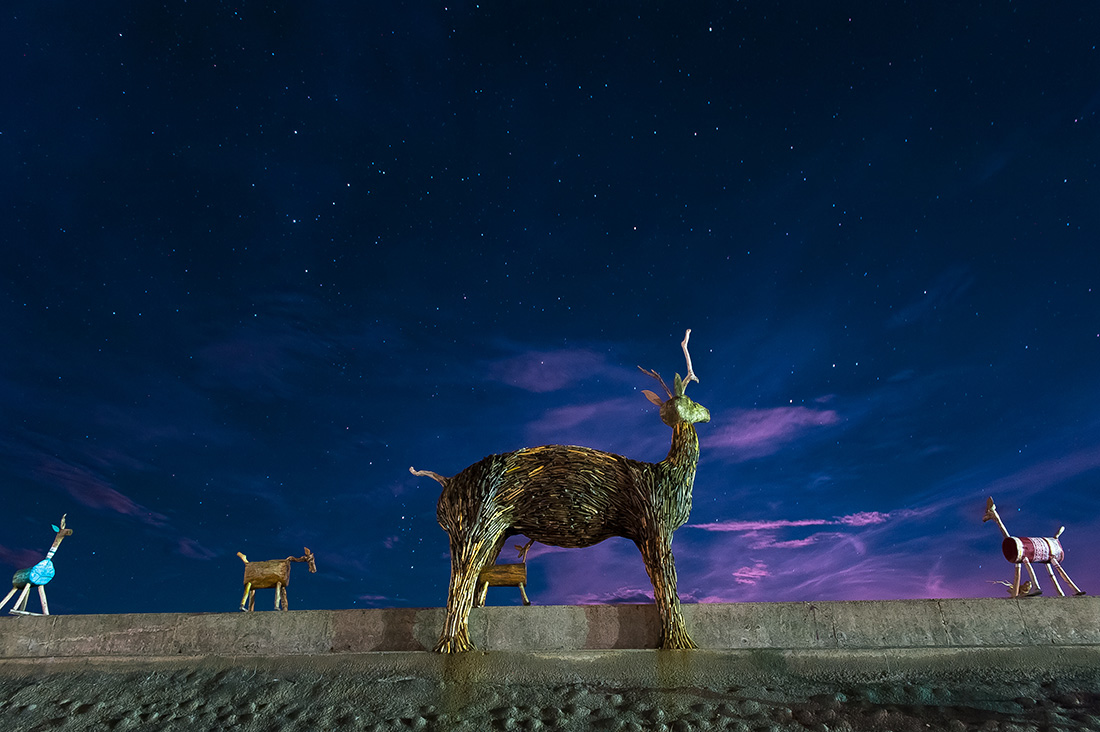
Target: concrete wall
point(868, 625)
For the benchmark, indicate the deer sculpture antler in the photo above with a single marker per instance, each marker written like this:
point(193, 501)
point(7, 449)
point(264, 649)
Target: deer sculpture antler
point(569, 496)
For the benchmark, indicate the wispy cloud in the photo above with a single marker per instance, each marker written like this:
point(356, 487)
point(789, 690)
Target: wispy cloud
point(621, 596)
point(755, 433)
point(193, 550)
point(543, 371)
point(947, 289)
point(863, 518)
point(750, 575)
point(1047, 473)
point(94, 491)
point(21, 557)
point(628, 425)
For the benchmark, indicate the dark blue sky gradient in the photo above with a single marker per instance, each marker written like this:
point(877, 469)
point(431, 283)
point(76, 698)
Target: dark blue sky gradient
point(260, 258)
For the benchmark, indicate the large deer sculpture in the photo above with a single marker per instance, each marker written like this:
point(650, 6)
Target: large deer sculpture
point(574, 497)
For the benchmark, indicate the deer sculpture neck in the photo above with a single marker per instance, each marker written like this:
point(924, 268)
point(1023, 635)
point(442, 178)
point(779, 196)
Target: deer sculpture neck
point(677, 470)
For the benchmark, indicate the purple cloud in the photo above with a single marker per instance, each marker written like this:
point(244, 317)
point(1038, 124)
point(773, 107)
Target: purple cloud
point(93, 491)
point(758, 432)
point(193, 550)
point(21, 557)
point(376, 600)
point(863, 518)
point(621, 596)
point(1047, 473)
point(627, 425)
point(750, 575)
point(948, 289)
point(543, 371)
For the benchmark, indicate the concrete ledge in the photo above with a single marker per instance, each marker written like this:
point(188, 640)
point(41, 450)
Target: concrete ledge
point(868, 625)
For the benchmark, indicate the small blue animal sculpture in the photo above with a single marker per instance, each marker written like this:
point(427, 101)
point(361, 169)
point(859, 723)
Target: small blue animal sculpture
point(36, 576)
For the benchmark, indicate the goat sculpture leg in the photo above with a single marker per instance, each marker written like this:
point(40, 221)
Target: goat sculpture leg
point(1035, 589)
point(1057, 587)
point(247, 589)
point(1058, 565)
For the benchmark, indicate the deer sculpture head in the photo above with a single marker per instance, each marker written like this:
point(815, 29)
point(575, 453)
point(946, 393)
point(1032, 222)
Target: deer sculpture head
point(678, 408)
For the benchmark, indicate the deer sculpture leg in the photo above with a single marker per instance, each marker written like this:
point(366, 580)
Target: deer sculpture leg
point(468, 558)
point(659, 563)
point(9, 596)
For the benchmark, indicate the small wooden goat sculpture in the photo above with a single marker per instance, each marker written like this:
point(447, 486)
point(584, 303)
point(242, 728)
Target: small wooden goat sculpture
point(574, 497)
point(271, 573)
point(1028, 550)
point(504, 575)
point(37, 576)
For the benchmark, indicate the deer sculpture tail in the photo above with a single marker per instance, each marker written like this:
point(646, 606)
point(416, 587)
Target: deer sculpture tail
point(430, 474)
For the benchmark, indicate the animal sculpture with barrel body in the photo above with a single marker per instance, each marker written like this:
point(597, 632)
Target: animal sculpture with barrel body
point(1031, 550)
point(570, 496)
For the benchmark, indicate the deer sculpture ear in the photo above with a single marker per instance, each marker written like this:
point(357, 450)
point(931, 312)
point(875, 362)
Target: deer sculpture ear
point(55, 529)
point(652, 397)
point(678, 386)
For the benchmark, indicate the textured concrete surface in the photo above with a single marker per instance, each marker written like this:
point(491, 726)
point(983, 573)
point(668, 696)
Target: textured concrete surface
point(988, 665)
point(985, 623)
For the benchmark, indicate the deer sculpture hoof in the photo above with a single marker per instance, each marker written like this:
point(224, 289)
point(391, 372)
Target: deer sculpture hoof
point(678, 640)
point(454, 645)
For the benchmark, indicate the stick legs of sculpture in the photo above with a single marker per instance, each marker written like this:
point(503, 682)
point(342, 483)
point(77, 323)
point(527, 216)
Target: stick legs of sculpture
point(20, 606)
point(250, 597)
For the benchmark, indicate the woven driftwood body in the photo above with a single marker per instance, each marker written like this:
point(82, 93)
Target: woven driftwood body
point(570, 496)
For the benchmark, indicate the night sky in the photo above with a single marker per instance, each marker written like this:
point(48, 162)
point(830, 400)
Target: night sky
point(260, 258)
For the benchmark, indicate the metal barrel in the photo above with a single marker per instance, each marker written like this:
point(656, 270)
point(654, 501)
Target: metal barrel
point(1039, 550)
